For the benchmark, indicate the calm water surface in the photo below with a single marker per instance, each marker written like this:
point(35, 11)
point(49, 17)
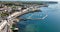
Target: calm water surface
point(50, 24)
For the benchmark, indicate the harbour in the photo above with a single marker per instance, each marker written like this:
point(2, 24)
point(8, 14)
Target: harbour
point(29, 18)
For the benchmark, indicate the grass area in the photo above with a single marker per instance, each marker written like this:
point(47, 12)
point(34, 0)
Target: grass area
point(3, 14)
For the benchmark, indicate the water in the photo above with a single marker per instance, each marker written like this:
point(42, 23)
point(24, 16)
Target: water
point(50, 24)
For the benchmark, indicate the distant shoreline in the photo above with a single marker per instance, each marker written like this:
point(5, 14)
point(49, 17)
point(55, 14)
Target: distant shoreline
point(37, 2)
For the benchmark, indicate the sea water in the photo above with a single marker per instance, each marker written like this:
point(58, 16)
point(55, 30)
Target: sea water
point(51, 23)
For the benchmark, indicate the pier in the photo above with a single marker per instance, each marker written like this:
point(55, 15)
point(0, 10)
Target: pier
point(33, 18)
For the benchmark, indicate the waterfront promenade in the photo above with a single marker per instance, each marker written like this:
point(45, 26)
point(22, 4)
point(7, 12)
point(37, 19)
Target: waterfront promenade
point(11, 18)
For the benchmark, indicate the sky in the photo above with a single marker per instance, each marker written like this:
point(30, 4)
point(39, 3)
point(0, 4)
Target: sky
point(30, 0)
